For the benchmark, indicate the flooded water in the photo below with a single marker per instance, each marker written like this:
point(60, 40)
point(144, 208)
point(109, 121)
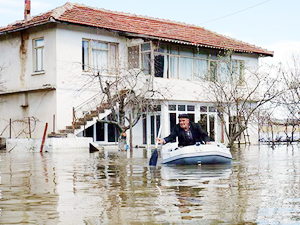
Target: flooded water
point(261, 186)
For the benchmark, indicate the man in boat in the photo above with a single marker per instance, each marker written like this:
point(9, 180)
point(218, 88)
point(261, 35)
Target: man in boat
point(188, 133)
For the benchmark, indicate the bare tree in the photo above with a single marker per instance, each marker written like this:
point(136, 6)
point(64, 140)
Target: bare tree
point(267, 122)
point(128, 94)
point(238, 92)
point(290, 99)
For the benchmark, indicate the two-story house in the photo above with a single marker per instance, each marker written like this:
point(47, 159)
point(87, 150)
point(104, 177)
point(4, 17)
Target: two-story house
point(45, 61)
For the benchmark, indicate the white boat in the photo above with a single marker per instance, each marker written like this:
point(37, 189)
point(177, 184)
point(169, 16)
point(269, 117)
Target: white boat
point(213, 153)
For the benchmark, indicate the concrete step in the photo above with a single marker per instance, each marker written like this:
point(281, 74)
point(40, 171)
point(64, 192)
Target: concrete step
point(66, 131)
point(89, 117)
point(80, 123)
point(75, 127)
point(57, 135)
point(83, 121)
point(100, 110)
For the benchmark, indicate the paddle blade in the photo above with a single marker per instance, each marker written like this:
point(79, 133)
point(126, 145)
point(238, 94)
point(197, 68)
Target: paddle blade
point(153, 159)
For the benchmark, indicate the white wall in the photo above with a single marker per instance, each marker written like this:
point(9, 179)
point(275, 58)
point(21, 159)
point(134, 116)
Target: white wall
point(73, 86)
point(182, 90)
point(16, 59)
point(63, 70)
point(40, 110)
point(19, 80)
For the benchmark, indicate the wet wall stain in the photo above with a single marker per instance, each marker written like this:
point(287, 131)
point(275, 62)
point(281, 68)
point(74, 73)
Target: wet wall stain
point(23, 53)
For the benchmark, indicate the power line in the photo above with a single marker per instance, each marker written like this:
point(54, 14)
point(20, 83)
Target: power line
point(235, 12)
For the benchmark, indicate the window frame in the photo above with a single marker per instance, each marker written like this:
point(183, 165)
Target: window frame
point(38, 50)
point(171, 52)
point(208, 112)
point(175, 52)
point(240, 75)
point(142, 52)
point(89, 66)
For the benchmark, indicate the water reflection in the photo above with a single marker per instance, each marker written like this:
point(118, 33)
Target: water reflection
point(261, 186)
point(194, 176)
point(29, 191)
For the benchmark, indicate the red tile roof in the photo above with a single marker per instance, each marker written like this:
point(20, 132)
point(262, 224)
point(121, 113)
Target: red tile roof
point(141, 25)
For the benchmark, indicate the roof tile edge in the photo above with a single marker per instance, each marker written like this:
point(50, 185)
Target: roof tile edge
point(57, 12)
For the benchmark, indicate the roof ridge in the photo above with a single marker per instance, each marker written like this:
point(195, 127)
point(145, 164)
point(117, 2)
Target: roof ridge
point(156, 27)
point(167, 21)
point(57, 12)
point(140, 16)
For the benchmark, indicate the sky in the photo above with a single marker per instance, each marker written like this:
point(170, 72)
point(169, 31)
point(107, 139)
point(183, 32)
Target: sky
point(270, 24)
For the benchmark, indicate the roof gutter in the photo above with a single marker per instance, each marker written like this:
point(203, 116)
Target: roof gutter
point(188, 43)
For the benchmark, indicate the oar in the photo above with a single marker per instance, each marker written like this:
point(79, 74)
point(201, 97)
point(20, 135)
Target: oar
point(153, 159)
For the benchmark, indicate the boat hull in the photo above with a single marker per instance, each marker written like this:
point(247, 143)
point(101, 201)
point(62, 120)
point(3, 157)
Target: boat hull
point(195, 155)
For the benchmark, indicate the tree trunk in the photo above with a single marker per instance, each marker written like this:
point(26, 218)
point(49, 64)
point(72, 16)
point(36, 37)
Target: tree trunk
point(130, 130)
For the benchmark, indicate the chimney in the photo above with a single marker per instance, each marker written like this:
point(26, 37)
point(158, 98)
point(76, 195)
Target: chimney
point(27, 10)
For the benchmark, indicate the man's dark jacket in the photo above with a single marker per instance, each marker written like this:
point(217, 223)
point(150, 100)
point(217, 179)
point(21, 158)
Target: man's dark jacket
point(199, 135)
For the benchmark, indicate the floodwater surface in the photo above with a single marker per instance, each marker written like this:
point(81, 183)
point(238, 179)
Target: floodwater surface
point(261, 186)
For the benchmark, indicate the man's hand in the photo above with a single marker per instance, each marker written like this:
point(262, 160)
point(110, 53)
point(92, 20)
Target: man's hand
point(160, 141)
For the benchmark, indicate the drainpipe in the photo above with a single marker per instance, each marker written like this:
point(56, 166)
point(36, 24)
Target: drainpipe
point(27, 15)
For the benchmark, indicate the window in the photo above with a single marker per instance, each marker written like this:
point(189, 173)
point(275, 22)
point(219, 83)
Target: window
point(85, 55)
point(133, 57)
point(208, 115)
point(181, 107)
point(172, 107)
point(237, 67)
point(190, 108)
point(183, 62)
point(98, 56)
point(227, 71)
point(213, 70)
point(172, 119)
point(174, 67)
point(201, 68)
point(180, 62)
point(212, 109)
point(176, 110)
point(186, 63)
point(38, 55)
point(146, 58)
point(157, 108)
point(203, 121)
point(139, 57)
point(161, 61)
point(223, 72)
point(203, 108)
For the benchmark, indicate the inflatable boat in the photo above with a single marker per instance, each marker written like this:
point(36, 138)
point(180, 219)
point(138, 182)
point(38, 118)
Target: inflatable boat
point(212, 153)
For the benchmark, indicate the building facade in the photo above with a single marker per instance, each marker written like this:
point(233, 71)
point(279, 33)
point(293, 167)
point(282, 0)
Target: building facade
point(47, 62)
